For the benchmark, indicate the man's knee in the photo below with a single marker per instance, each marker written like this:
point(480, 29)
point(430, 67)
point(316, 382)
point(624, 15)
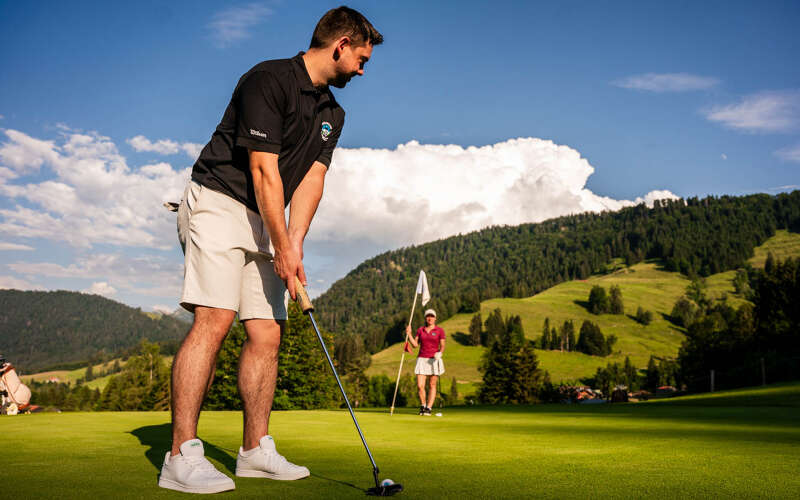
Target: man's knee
point(211, 324)
point(264, 333)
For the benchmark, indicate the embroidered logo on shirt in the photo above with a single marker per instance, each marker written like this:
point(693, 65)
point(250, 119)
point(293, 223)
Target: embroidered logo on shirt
point(258, 133)
point(326, 130)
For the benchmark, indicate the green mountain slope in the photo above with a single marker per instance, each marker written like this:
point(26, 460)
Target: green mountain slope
point(644, 285)
point(703, 236)
point(41, 329)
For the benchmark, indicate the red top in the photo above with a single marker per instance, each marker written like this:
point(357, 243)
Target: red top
point(429, 341)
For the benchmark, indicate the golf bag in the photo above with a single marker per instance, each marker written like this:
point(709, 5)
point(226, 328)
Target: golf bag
point(15, 397)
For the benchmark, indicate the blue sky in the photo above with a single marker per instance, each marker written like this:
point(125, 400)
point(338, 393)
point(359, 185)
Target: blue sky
point(692, 98)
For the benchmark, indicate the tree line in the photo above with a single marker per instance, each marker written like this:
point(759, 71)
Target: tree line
point(738, 343)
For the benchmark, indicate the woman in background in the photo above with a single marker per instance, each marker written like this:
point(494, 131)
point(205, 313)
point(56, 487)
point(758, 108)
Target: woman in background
point(429, 360)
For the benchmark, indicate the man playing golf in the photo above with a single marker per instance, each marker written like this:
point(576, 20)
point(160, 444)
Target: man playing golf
point(273, 147)
point(429, 360)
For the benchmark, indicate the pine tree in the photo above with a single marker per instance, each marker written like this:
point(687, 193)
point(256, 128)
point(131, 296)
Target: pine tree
point(495, 326)
point(570, 335)
point(555, 343)
point(630, 374)
point(304, 378)
point(653, 375)
point(475, 330)
point(224, 392)
point(526, 384)
point(544, 340)
point(615, 304)
point(511, 372)
point(591, 340)
point(598, 300)
point(514, 328)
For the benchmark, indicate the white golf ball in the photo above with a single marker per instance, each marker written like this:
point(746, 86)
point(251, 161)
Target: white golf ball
point(438, 414)
point(387, 482)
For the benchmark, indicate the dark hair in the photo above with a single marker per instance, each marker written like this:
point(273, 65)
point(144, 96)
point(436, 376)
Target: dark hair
point(344, 21)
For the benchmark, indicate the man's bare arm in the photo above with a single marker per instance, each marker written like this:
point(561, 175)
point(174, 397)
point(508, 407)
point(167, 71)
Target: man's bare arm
point(268, 188)
point(305, 201)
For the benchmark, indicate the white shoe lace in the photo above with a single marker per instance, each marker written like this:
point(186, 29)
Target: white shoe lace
point(202, 464)
point(277, 462)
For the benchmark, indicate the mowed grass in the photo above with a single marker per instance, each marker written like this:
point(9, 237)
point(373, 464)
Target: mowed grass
point(644, 285)
point(653, 450)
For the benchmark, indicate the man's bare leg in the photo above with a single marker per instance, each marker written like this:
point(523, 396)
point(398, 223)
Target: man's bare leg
point(193, 368)
point(258, 371)
point(432, 391)
point(421, 388)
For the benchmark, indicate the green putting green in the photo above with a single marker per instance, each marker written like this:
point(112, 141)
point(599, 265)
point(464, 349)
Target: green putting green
point(740, 444)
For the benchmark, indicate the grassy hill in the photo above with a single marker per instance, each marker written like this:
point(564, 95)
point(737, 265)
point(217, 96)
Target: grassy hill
point(45, 330)
point(641, 450)
point(646, 285)
point(71, 376)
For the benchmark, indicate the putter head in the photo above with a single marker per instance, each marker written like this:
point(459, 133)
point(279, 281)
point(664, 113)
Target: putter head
point(385, 491)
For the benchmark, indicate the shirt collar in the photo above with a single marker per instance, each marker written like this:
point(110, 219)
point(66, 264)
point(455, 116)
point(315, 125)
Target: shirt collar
point(301, 74)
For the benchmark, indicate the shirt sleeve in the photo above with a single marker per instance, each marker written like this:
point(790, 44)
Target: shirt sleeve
point(260, 106)
point(326, 155)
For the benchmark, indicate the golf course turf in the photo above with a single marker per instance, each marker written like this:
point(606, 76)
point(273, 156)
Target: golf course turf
point(690, 449)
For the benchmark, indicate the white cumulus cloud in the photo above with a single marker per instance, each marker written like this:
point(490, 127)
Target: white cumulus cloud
point(141, 143)
point(14, 246)
point(770, 111)
point(101, 288)
point(422, 192)
point(234, 24)
point(163, 309)
point(87, 196)
point(12, 283)
point(666, 82)
point(91, 195)
point(152, 276)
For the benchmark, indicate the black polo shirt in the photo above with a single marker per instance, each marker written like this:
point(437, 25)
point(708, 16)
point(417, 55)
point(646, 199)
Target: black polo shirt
point(276, 109)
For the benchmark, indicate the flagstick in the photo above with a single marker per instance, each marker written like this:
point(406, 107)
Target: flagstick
point(402, 358)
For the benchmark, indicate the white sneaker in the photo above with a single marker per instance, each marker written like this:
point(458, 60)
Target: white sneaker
point(191, 472)
point(264, 461)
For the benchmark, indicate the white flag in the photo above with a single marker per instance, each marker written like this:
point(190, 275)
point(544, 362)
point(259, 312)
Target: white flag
point(422, 287)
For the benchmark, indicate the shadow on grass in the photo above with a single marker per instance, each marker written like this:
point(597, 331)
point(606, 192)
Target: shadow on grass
point(337, 481)
point(159, 440)
point(462, 338)
point(583, 303)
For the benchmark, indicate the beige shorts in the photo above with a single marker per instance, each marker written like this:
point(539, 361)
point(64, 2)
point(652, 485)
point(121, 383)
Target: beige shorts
point(227, 257)
point(429, 366)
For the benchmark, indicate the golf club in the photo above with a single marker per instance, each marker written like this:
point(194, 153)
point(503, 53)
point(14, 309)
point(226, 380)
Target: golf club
point(381, 489)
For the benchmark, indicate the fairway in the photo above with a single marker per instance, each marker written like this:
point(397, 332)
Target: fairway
point(661, 450)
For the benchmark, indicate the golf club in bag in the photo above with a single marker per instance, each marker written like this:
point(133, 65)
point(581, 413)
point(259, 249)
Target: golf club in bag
point(381, 490)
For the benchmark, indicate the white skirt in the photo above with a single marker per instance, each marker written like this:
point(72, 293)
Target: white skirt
point(429, 366)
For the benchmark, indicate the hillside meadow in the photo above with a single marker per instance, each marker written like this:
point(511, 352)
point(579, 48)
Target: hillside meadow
point(644, 285)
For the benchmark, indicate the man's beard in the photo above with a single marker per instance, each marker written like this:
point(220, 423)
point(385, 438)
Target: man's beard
point(341, 80)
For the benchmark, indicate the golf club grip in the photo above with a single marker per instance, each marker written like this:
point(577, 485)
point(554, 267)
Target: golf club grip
point(302, 296)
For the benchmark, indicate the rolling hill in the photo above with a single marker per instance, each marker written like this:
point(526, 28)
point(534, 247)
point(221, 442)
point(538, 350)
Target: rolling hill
point(693, 236)
point(40, 330)
point(646, 284)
